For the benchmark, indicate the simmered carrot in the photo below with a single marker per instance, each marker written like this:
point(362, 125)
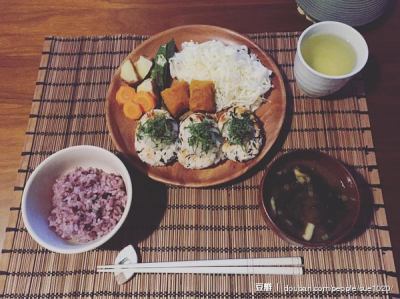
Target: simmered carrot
point(125, 94)
point(132, 110)
point(146, 100)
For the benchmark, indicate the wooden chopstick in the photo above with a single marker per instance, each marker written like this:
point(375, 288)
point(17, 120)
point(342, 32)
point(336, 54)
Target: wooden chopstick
point(285, 261)
point(213, 270)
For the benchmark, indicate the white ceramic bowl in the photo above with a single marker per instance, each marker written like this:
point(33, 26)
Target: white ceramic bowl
point(316, 84)
point(38, 194)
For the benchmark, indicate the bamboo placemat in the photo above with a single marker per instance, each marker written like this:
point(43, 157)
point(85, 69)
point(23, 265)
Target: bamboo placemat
point(168, 223)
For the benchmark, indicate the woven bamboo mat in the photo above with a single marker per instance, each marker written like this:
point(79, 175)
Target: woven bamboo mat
point(168, 223)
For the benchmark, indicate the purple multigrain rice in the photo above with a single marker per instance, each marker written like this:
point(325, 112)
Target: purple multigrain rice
point(88, 203)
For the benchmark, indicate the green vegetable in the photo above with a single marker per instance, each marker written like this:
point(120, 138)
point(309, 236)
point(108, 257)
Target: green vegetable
point(160, 71)
point(204, 135)
point(159, 130)
point(240, 129)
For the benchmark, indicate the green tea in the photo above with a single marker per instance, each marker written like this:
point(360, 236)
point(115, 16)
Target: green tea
point(329, 54)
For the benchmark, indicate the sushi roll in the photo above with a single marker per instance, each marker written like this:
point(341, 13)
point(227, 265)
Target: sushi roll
point(242, 134)
point(155, 138)
point(199, 142)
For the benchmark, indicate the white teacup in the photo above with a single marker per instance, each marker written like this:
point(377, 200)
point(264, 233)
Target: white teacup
point(316, 84)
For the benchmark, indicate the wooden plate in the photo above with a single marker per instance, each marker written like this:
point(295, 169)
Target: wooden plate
point(271, 114)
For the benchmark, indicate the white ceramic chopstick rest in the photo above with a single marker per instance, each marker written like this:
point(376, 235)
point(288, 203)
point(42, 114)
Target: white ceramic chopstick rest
point(127, 256)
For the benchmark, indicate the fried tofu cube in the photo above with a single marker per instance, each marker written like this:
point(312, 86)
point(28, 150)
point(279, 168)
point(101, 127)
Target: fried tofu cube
point(202, 96)
point(176, 98)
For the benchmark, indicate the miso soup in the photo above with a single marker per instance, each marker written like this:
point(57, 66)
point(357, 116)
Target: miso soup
point(304, 205)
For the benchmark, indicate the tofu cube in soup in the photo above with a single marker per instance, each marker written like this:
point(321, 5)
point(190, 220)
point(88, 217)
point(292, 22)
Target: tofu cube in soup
point(176, 98)
point(202, 96)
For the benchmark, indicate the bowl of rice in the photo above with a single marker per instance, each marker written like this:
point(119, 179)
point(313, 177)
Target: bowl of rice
point(76, 199)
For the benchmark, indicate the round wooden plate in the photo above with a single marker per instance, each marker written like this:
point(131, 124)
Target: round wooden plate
point(271, 114)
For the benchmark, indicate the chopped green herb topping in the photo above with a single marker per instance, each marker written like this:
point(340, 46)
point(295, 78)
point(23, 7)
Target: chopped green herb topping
point(204, 135)
point(159, 130)
point(240, 129)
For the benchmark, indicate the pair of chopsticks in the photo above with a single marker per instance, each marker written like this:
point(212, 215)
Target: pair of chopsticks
point(227, 266)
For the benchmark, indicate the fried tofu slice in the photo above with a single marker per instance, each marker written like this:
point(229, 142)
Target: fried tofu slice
point(202, 96)
point(176, 98)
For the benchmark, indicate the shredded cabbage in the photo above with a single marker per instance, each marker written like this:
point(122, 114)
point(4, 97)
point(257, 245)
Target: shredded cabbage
point(239, 78)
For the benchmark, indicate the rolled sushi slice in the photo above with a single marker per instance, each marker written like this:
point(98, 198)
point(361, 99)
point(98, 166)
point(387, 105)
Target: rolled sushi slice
point(199, 142)
point(243, 140)
point(155, 138)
